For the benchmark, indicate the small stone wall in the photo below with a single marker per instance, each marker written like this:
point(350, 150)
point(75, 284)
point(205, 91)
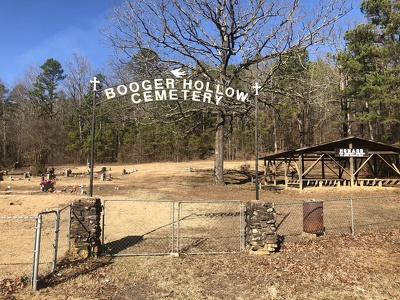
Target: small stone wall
point(261, 237)
point(85, 227)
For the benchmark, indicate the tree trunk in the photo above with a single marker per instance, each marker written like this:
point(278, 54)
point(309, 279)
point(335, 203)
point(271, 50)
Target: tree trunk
point(219, 149)
point(4, 150)
point(344, 106)
point(275, 135)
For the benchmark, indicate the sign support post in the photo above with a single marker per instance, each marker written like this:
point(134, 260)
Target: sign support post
point(95, 82)
point(256, 87)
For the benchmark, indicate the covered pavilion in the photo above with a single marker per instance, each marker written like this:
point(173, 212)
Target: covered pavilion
point(350, 161)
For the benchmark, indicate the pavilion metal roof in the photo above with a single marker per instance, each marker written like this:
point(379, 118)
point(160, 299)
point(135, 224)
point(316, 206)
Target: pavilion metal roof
point(355, 142)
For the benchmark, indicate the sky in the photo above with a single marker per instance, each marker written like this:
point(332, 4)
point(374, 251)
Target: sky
point(33, 31)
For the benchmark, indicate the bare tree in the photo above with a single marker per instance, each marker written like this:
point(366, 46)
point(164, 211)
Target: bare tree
point(77, 84)
point(4, 123)
point(195, 34)
point(79, 71)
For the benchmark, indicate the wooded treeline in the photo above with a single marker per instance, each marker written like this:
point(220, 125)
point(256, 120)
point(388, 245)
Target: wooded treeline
point(46, 118)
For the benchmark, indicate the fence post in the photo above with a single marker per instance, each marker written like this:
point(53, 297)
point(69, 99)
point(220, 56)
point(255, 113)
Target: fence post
point(242, 226)
point(261, 234)
point(102, 215)
point(178, 246)
point(172, 226)
point(69, 225)
point(85, 227)
point(56, 234)
point(352, 216)
point(36, 252)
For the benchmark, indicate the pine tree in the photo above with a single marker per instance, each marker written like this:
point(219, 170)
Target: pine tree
point(370, 62)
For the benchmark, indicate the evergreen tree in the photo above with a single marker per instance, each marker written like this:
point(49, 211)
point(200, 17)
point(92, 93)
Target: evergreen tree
point(370, 62)
point(7, 130)
point(45, 92)
point(42, 133)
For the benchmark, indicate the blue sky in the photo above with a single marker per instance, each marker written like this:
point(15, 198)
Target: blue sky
point(34, 30)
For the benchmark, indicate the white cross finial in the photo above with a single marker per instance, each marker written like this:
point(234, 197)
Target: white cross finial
point(257, 87)
point(95, 82)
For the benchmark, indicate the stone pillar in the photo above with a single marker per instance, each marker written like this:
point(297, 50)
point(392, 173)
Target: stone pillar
point(261, 237)
point(85, 227)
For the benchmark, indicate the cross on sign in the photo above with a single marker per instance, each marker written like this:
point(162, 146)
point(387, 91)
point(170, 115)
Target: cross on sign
point(257, 87)
point(95, 82)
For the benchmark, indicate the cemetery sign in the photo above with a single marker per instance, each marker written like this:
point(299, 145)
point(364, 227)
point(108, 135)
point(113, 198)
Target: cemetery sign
point(178, 88)
point(172, 89)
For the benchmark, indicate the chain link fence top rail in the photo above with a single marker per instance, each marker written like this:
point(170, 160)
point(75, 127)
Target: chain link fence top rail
point(338, 216)
point(16, 246)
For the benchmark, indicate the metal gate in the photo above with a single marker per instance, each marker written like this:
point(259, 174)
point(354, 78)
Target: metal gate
point(164, 227)
point(52, 231)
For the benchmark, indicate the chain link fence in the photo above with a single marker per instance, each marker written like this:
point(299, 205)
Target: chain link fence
point(207, 227)
point(337, 216)
point(138, 227)
point(16, 244)
point(145, 227)
point(32, 246)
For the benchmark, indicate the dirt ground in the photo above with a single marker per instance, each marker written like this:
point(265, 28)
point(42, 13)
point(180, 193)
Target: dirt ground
point(155, 181)
point(361, 267)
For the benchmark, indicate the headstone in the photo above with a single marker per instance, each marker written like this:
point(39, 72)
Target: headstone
point(47, 186)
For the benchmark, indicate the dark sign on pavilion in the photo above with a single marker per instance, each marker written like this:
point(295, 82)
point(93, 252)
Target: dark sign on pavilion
point(351, 152)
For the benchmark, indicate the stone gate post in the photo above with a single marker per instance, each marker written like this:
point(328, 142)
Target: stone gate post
point(85, 230)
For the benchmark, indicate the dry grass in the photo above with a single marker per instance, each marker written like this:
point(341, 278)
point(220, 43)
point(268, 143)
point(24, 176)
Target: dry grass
point(336, 267)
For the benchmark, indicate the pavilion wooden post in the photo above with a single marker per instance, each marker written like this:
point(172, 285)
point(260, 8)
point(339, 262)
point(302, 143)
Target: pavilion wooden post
point(351, 162)
point(300, 170)
point(286, 174)
point(265, 171)
point(375, 161)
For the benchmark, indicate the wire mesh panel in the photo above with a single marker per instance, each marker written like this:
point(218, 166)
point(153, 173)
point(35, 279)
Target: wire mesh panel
point(63, 241)
point(138, 227)
point(47, 243)
point(210, 227)
point(295, 220)
point(16, 246)
point(289, 220)
point(376, 214)
point(338, 216)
